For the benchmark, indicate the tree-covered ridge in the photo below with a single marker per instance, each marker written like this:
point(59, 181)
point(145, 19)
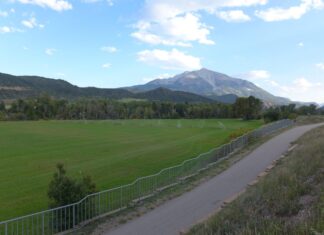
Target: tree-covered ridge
point(15, 87)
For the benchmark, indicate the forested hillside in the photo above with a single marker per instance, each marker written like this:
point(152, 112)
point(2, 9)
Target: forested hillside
point(15, 87)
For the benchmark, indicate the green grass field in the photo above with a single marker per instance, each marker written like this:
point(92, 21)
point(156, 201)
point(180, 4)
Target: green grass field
point(112, 152)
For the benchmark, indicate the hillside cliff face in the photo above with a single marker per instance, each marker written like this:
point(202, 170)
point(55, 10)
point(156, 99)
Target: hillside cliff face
point(210, 84)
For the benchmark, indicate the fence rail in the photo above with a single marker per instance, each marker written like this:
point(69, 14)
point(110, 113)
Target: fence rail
point(110, 201)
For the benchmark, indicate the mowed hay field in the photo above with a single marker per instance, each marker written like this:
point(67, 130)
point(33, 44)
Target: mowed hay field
point(112, 152)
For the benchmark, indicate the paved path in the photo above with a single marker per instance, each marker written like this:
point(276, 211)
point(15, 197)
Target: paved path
point(183, 212)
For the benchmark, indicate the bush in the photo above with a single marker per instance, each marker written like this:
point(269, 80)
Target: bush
point(237, 133)
point(2, 116)
point(292, 116)
point(2, 106)
point(64, 190)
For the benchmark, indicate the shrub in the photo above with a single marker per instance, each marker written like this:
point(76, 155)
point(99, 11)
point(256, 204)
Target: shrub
point(64, 190)
point(237, 133)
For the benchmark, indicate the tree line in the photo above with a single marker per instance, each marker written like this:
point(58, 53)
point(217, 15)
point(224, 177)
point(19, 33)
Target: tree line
point(45, 108)
point(290, 111)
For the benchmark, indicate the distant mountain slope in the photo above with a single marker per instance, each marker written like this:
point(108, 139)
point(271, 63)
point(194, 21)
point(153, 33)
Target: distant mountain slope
point(163, 94)
point(210, 84)
point(14, 87)
point(226, 99)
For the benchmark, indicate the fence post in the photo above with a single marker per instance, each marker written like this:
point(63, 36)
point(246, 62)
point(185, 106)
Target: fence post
point(121, 197)
point(6, 228)
point(43, 224)
point(99, 195)
point(73, 216)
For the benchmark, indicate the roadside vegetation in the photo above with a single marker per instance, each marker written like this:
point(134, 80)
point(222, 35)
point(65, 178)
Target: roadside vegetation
point(290, 200)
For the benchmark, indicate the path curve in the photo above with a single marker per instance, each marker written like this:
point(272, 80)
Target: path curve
point(186, 210)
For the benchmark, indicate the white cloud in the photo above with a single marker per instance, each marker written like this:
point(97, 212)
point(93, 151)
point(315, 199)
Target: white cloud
point(29, 23)
point(57, 5)
point(177, 23)
point(320, 65)
point(301, 44)
point(303, 89)
point(161, 9)
point(175, 31)
point(261, 78)
point(161, 76)
point(91, 1)
point(50, 51)
point(279, 14)
point(3, 14)
point(291, 13)
point(61, 74)
point(7, 29)
point(106, 66)
point(7, 13)
point(109, 49)
point(303, 83)
point(273, 83)
point(32, 23)
point(109, 2)
point(233, 16)
point(300, 89)
point(256, 75)
point(173, 59)
point(316, 4)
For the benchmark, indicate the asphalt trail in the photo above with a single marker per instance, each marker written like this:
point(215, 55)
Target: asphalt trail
point(182, 212)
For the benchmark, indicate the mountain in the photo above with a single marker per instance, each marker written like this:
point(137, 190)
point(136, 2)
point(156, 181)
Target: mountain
point(196, 86)
point(14, 87)
point(211, 84)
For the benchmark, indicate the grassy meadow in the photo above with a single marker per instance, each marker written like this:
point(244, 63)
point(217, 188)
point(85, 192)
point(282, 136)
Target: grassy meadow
point(112, 152)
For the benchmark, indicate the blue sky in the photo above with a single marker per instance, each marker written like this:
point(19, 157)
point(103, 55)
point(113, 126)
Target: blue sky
point(274, 43)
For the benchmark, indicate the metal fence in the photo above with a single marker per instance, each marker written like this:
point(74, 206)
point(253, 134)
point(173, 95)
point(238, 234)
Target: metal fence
point(110, 201)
